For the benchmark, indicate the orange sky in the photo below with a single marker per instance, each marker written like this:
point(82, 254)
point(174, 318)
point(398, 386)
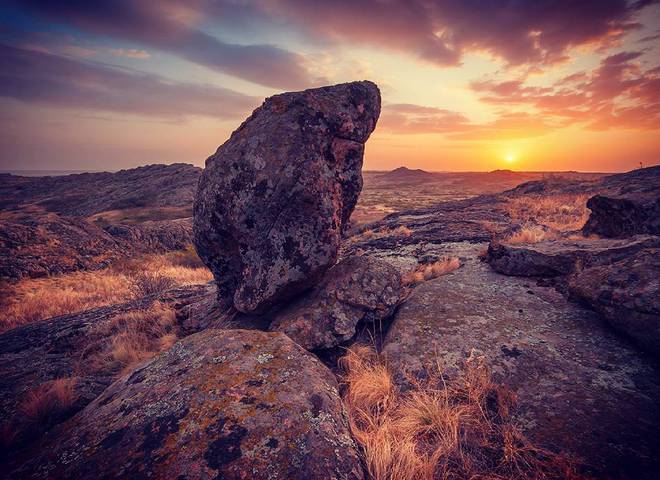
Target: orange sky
point(466, 85)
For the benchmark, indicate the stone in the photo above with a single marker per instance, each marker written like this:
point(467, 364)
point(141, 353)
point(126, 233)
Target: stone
point(627, 294)
point(580, 388)
point(65, 347)
point(274, 199)
point(626, 212)
point(357, 289)
point(553, 258)
point(230, 404)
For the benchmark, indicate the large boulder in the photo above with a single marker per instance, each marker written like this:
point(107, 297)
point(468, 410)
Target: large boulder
point(627, 294)
point(626, 214)
point(274, 199)
point(232, 404)
point(70, 347)
point(357, 289)
point(581, 388)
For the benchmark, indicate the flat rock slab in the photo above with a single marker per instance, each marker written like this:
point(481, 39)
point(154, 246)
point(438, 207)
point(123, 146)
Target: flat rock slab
point(232, 404)
point(564, 256)
point(580, 387)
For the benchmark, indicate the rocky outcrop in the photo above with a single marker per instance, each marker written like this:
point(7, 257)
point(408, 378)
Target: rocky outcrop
point(232, 404)
point(578, 384)
point(42, 245)
point(624, 215)
point(358, 289)
point(84, 194)
point(564, 256)
point(627, 294)
point(66, 347)
point(273, 200)
point(155, 236)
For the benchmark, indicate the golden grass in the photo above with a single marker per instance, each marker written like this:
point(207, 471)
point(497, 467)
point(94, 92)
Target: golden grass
point(32, 300)
point(529, 234)
point(438, 429)
point(564, 212)
point(49, 399)
point(431, 270)
point(131, 338)
point(369, 234)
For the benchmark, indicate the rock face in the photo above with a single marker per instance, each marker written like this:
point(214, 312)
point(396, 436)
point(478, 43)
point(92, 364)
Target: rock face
point(232, 404)
point(273, 200)
point(562, 257)
point(627, 294)
point(624, 215)
point(578, 384)
point(65, 347)
point(358, 289)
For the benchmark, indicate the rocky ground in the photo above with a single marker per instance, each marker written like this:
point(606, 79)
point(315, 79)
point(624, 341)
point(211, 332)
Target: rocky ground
point(568, 317)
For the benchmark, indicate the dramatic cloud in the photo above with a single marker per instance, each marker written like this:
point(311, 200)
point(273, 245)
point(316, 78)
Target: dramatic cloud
point(442, 31)
point(618, 93)
point(170, 25)
point(42, 78)
point(408, 118)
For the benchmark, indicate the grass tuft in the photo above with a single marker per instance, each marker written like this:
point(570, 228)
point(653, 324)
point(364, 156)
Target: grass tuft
point(440, 429)
point(431, 270)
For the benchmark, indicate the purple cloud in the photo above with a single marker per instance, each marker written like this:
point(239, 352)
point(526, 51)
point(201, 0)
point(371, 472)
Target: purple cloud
point(170, 25)
point(43, 78)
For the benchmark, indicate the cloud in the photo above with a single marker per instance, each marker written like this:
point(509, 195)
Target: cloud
point(170, 25)
point(410, 118)
point(618, 93)
point(43, 78)
point(443, 31)
point(130, 53)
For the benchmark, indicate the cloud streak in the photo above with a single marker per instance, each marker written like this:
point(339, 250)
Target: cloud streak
point(170, 25)
point(43, 78)
point(443, 31)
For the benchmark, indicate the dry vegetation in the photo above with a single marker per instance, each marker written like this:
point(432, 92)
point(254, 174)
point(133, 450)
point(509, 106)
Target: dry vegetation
point(36, 299)
point(130, 338)
point(49, 399)
point(439, 429)
point(565, 212)
point(431, 270)
point(530, 234)
point(385, 232)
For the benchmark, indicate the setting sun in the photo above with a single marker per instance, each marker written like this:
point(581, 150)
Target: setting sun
point(510, 158)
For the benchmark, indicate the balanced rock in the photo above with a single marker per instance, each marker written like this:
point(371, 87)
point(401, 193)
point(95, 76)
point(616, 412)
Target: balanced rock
point(357, 289)
point(232, 404)
point(274, 199)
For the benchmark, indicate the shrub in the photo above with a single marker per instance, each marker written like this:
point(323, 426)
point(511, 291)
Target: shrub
point(144, 284)
point(439, 429)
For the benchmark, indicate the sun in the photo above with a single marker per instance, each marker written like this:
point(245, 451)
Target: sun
point(510, 157)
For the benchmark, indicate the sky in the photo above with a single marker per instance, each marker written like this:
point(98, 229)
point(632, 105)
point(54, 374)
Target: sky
point(466, 85)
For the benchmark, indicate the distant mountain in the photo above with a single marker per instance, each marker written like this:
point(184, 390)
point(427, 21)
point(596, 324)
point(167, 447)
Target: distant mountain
point(407, 175)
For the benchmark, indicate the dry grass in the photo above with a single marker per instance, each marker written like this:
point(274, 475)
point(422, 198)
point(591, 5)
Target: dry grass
point(431, 270)
point(438, 429)
point(32, 300)
point(131, 338)
point(48, 400)
point(400, 231)
point(565, 212)
point(530, 234)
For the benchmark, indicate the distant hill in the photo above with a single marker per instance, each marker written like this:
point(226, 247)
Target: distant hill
point(407, 175)
point(87, 194)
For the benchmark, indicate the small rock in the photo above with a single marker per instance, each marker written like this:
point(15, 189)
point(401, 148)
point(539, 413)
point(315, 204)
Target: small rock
point(357, 289)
